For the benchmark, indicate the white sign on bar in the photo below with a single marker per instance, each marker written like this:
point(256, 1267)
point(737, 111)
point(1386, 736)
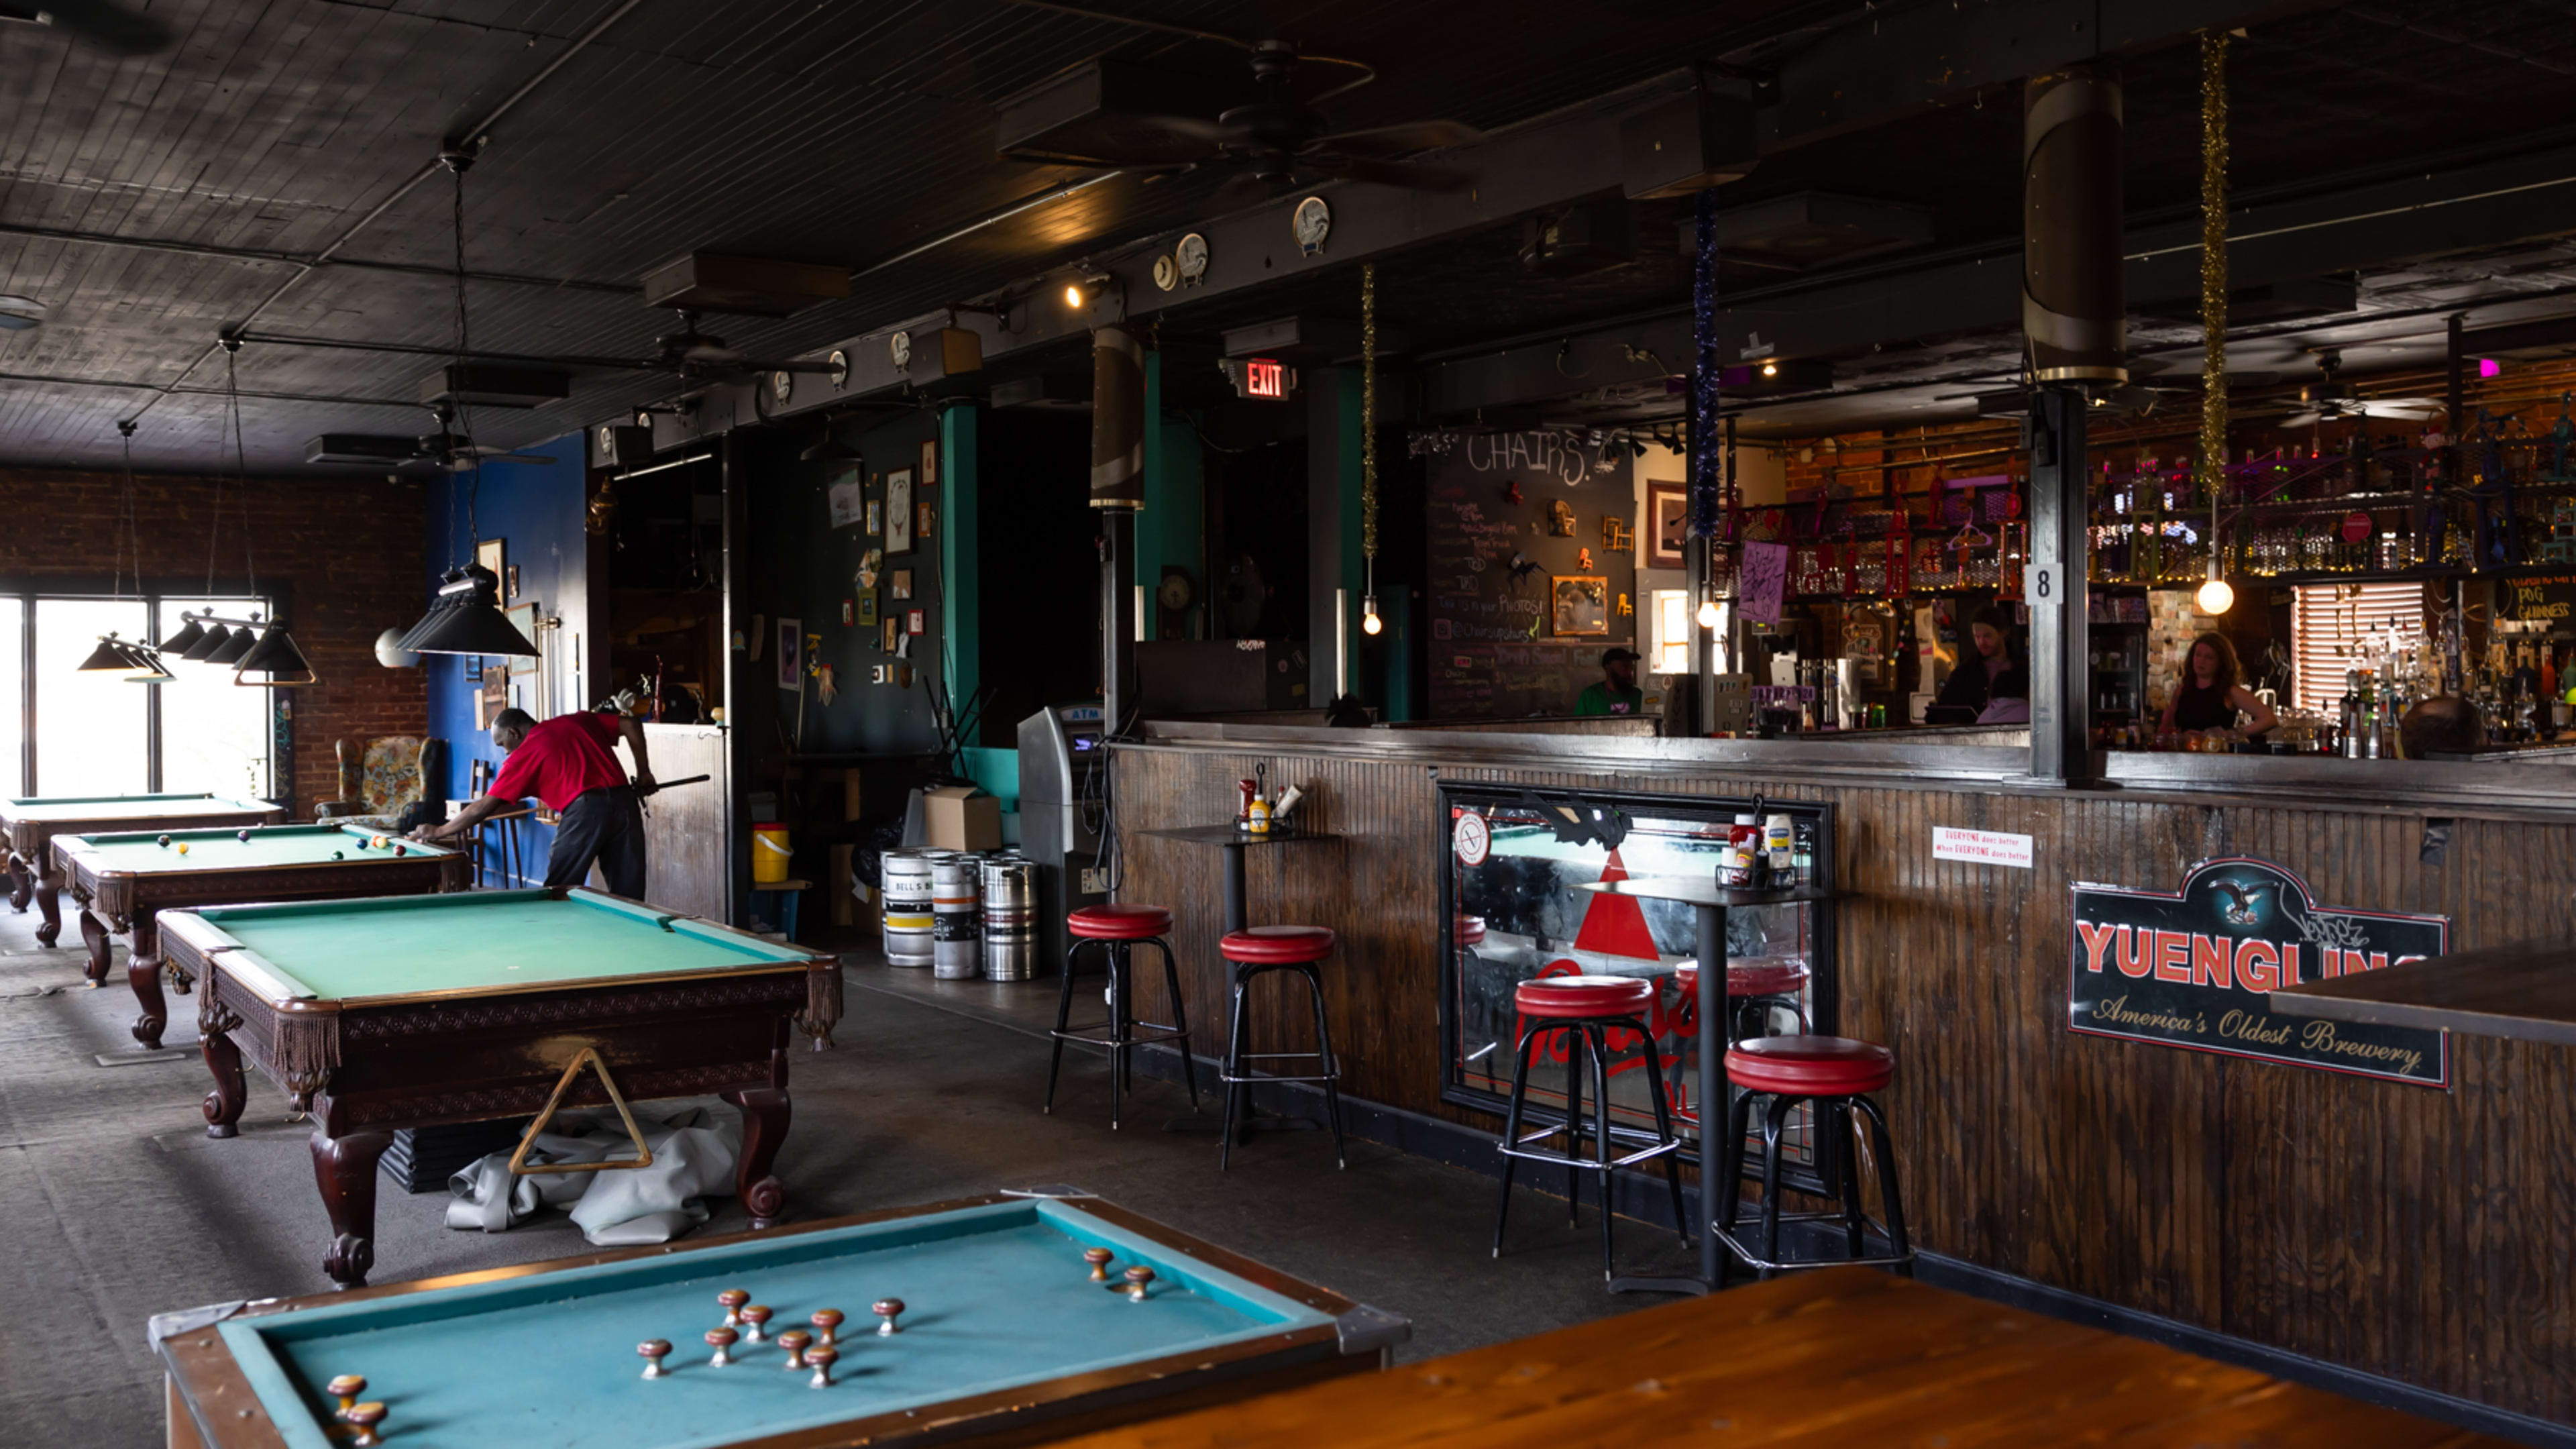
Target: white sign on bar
point(1984, 847)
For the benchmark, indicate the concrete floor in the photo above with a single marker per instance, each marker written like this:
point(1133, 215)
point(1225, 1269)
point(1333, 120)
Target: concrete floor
point(117, 1206)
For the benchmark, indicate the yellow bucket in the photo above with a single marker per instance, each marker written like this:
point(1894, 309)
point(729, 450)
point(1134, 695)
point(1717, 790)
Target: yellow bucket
point(769, 853)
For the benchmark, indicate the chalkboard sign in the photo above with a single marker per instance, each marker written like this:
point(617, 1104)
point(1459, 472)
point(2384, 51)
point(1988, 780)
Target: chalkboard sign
point(1494, 650)
point(2550, 596)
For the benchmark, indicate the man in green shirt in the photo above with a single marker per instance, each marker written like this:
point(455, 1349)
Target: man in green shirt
point(1617, 693)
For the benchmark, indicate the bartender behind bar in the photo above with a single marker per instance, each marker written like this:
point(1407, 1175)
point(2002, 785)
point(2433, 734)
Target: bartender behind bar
point(1617, 693)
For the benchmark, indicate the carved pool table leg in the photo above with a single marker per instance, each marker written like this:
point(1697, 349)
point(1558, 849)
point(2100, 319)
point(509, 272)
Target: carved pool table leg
point(765, 1114)
point(345, 1169)
point(223, 1105)
point(49, 893)
point(96, 936)
point(143, 973)
point(22, 883)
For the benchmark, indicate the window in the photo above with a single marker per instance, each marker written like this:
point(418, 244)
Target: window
point(2342, 627)
point(96, 734)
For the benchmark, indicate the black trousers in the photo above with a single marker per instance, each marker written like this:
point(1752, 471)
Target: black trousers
point(605, 825)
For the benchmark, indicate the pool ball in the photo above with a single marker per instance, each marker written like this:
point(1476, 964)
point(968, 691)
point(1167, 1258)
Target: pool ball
point(336, 855)
point(241, 835)
point(165, 842)
point(183, 847)
point(398, 850)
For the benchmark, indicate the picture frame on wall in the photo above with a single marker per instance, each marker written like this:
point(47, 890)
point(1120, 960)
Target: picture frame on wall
point(867, 608)
point(930, 462)
point(899, 583)
point(491, 553)
point(893, 633)
point(876, 517)
point(898, 511)
point(1579, 605)
point(791, 654)
point(925, 519)
point(1667, 524)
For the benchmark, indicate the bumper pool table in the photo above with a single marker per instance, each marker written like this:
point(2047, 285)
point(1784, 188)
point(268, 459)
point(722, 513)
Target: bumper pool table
point(31, 822)
point(122, 882)
point(415, 1011)
point(1005, 1335)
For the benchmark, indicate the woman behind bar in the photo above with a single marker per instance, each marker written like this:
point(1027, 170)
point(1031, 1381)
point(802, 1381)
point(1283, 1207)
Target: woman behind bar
point(2210, 696)
point(1997, 671)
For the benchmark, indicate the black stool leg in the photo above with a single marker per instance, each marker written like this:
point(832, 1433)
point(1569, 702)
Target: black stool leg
point(1063, 1020)
point(1849, 1140)
point(1119, 1017)
point(1233, 1060)
point(1330, 1065)
point(1512, 1131)
point(1180, 1020)
point(1596, 1043)
point(1772, 1122)
point(1887, 1187)
point(1729, 1189)
point(1573, 1120)
point(1664, 1133)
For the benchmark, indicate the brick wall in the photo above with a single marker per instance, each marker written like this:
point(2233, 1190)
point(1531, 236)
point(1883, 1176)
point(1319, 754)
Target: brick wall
point(348, 551)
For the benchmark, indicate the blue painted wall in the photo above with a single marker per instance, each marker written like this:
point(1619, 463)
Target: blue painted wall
point(536, 511)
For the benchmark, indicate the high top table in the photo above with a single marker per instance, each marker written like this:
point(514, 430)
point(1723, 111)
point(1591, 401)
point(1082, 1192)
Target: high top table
point(1711, 902)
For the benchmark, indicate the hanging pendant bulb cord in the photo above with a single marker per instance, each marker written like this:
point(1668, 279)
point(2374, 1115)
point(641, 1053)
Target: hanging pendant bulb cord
point(2213, 270)
point(456, 162)
point(1368, 428)
point(241, 472)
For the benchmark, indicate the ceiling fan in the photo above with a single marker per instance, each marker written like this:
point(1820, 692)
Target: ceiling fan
point(99, 22)
point(1279, 139)
point(2334, 400)
point(446, 450)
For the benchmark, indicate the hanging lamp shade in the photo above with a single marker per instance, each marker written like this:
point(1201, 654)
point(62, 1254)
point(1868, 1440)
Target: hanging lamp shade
point(148, 669)
point(190, 631)
point(466, 618)
point(112, 656)
point(276, 656)
point(832, 450)
point(235, 645)
point(206, 645)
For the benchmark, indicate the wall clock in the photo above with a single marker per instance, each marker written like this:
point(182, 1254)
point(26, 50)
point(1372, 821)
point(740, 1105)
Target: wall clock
point(1190, 259)
point(1312, 223)
point(899, 348)
point(839, 362)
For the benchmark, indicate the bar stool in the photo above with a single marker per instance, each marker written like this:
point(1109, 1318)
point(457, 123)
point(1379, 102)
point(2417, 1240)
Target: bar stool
point(1586, 1007)
point(1756, 987)
point(1118, 929)
point(1253, 953)
point(1837, 1075)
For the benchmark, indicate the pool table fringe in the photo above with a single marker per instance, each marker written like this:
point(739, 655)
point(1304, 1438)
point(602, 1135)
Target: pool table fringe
point(307, 1045)
point(822, 1001)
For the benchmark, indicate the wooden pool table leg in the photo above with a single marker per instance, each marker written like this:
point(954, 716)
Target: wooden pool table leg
point(223, 1105)
point(345, 1169)
point(49, 900)
point(22, 883)
point(765, 1114)
point(143, 973)
point(96, 935)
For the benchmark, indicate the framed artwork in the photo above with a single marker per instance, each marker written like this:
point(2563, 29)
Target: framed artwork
point(490, 554)
point(849, 612)
point(900, 583)
point(791, 654)
point(876, 517)
point(512, 591)
point(473, 668)
point(925, 517)
point(1667, 524)
point(493, 697)
point(916, 621)
point(867, 608)
point(898, 511)
point(930, 462)
point(1580, 604)
point(843, 499)
point(893, 633)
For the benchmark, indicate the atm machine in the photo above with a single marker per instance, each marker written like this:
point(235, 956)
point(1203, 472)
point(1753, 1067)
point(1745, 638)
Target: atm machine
point(1064, 789)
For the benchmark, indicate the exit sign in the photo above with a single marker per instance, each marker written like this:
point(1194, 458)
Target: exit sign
point(1261, 377)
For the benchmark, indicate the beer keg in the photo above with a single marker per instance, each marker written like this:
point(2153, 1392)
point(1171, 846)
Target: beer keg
point(1010, 918)
point(905, 876)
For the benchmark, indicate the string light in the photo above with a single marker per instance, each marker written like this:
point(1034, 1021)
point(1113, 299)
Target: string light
point(1369, 622)
point(2215, 596)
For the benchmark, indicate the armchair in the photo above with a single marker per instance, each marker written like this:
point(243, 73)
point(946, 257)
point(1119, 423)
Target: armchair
point(386, 782)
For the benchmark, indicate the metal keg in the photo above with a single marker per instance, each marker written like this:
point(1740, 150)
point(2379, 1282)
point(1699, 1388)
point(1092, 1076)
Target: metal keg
point(1010, 918)
point(905, 877)
point(956, 934)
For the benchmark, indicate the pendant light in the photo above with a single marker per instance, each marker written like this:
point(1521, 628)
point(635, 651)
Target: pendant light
point(207, 643)
point(134, 658)
point(276, 656)
point(466, 617)
point(1370, 624)
point(2215, 596)
point(235, 645)
point(190, 634)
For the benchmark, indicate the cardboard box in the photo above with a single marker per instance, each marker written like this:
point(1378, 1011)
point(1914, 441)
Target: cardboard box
point(961, 817)
point(844, 905)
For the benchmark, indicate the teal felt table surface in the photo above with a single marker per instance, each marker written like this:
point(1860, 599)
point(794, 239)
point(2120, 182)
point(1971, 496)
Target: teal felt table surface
point(117, 807)
point(997, 1297)
point(221, 848)
point(465, 943)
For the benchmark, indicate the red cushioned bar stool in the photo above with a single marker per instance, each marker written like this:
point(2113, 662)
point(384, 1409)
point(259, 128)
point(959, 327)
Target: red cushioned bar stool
point(1586, 1008)
point(1252, 954)
point(1836, 1075)
point(1757, 989)
point(1118, 929)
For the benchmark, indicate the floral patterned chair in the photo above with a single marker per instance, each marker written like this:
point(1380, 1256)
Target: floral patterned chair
point(386, 782)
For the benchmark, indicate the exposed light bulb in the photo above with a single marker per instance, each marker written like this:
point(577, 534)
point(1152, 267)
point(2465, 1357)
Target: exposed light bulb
point(2216, 597)
point(1072, 295)
point(1369, 623)
point(1770, 369)
point(1708, 613)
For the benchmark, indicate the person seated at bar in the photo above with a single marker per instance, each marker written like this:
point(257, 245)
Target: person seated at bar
point(2211, 694)
point(1617, 693)
point(2445, 725)
point(1996, 671)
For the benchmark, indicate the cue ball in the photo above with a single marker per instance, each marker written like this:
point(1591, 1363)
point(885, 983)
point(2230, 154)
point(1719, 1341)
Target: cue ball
point(165, 842)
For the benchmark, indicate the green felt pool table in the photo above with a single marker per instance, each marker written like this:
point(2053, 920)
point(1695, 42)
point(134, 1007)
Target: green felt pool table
point(1003, 1336)
point(413, 1011)
point(122, 882)
point(30, 822)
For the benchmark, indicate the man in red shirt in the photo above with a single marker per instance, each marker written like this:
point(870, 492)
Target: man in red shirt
point(570, 763)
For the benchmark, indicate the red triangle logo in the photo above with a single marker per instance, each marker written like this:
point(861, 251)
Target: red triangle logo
point(1615, 925)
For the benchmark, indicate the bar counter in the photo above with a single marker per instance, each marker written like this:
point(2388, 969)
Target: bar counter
point(2318, 1223)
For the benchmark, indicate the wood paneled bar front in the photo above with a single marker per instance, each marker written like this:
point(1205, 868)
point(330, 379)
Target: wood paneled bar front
point(2419, 1235)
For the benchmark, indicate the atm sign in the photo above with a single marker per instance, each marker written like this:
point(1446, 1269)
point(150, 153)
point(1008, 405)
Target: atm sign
point(1265, 377)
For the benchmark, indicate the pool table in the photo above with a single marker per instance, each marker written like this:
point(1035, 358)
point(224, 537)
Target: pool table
point(414, 1011)
point(1005, 1336)
point(31, 822)
point(122, 882)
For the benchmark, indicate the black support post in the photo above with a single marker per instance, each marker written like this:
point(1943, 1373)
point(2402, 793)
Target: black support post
point(2061, 661)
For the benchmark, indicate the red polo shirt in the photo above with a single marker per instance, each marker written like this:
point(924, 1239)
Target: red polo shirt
point(560, 759)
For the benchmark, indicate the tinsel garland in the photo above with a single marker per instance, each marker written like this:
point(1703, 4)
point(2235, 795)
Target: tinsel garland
point(2212, 469)
point(1368, 414)
point(1705, 480)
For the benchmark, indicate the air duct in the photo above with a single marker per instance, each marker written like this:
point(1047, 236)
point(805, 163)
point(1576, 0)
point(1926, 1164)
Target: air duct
point(2073, 309)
